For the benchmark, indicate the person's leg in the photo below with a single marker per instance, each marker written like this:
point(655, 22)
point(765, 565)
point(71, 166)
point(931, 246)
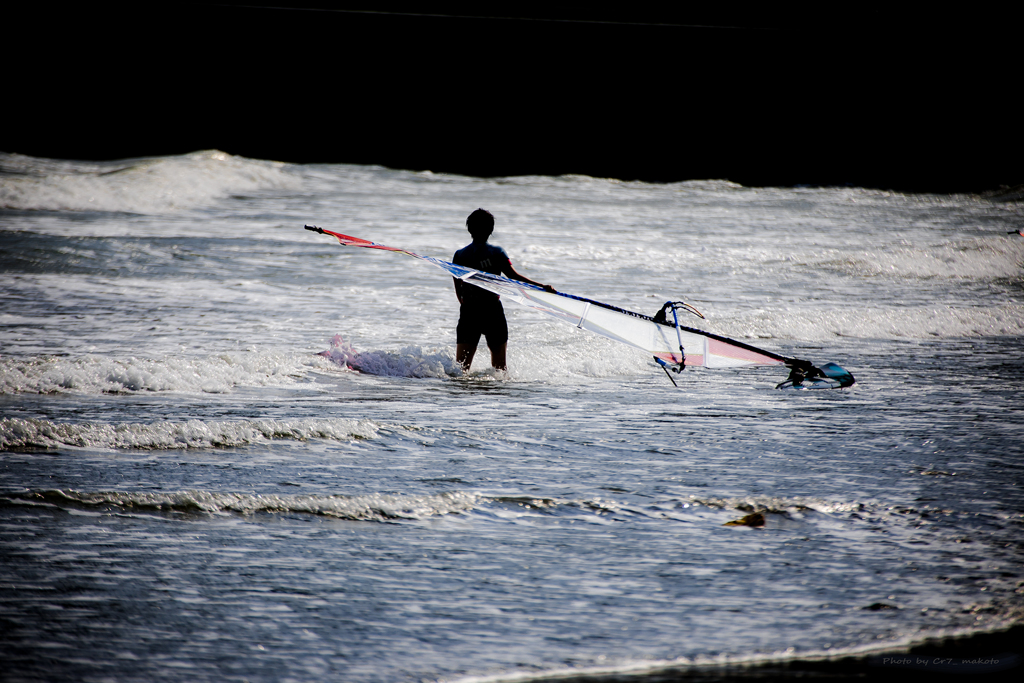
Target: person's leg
point(497, 336)
point(467, 336)
point(464, 355)
point(498, 356)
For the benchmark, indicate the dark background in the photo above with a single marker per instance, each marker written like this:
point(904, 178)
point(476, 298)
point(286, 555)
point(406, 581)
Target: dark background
point(796, 96)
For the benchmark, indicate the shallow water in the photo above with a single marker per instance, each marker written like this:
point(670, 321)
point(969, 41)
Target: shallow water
point(190, 492)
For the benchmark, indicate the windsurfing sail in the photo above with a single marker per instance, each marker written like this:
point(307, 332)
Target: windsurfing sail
point(672, 345)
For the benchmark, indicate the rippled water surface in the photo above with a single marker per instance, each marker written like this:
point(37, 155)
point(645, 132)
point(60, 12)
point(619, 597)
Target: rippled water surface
point(190, 492)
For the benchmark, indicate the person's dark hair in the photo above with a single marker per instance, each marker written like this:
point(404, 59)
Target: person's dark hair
point(480, 224)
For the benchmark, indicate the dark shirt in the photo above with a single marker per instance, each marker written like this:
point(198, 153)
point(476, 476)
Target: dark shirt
point(489, 258)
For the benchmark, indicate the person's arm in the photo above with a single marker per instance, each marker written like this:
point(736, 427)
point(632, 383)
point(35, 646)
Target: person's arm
point(511, 272)
point(458, 289)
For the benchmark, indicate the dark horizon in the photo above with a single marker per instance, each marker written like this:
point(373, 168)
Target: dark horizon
point(878, 100)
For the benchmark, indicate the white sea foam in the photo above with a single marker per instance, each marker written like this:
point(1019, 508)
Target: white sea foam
point(31, 433)
point(976, 259)
point(411, 361)
point(554, 352)
point(774, 504)
point(369, 507)
point(155, 186)
point(912, 322)
point(214, 374)
point(548, 352)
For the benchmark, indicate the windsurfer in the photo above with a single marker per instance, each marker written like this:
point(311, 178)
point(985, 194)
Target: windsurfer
point(481, 311)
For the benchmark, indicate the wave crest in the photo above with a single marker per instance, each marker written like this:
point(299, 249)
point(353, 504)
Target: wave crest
point(368, 507)
point(216, 374)
point(153, 186)
point(31, 433)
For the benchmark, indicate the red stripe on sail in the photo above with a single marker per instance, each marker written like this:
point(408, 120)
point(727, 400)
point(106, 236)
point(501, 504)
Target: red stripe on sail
point(691, 358)
point(725, 350)
point(349, 241)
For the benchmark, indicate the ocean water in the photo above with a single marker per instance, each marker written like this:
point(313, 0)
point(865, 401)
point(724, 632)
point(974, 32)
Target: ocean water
point(188, 491)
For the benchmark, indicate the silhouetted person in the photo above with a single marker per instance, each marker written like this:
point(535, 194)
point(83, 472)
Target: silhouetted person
point(481, 311)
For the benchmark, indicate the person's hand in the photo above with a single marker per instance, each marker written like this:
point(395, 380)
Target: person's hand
point(550, 289)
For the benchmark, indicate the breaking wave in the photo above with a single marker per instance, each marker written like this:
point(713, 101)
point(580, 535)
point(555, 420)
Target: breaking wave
point(757, 511)
point(377, 506)
point(970, 259)
point(412, 361)
point(370, 507)
point(216, 374)
point(924, 322)
point(148, 185)
point(31, 433)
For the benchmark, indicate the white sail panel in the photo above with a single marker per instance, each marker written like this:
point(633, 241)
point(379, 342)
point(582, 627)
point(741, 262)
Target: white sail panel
point(633, 329)
point(641, 332)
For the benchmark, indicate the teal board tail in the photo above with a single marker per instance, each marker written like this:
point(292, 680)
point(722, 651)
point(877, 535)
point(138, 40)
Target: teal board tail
point(838, 373)
point(827, 376)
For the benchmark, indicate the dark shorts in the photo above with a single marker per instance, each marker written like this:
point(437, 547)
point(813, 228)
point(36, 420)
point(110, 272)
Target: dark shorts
point(487, 319)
